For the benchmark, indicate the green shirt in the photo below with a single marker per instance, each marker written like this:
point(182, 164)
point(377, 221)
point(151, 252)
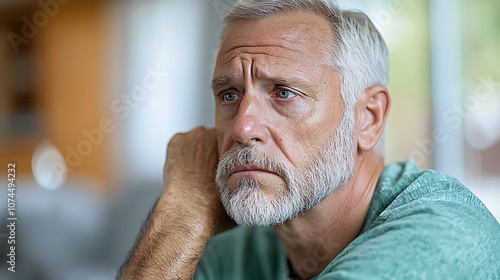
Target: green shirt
point(420, 225)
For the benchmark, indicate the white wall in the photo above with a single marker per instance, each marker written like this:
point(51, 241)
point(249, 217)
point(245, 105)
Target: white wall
point(174, 36)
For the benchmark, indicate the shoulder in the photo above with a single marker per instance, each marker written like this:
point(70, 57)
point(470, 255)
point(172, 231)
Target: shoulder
point(243, 253)
point(433, 228)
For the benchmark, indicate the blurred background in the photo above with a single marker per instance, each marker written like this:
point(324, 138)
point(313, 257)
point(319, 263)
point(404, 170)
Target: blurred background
point(92, 91)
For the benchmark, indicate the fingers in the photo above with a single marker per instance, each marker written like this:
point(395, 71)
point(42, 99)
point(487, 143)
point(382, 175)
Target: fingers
point(192, 157)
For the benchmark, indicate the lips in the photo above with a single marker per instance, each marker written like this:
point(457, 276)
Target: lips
point(249, 168)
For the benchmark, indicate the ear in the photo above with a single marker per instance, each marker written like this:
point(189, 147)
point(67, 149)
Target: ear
point(373, 109)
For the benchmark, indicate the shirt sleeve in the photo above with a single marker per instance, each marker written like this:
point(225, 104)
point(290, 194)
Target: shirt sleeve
point(440, 235)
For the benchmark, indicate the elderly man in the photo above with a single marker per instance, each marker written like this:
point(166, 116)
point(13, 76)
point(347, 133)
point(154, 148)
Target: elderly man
point(301, 104)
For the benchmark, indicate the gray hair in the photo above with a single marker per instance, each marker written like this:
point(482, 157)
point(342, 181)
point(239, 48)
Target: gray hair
point(358, 51)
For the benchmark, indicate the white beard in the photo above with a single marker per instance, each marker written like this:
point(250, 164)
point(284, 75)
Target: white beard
point(249, 205)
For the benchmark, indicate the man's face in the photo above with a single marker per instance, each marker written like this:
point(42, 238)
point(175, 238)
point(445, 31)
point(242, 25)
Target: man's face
point(278, 110)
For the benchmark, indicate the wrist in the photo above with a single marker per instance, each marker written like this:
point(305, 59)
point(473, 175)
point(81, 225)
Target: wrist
point(194, 210)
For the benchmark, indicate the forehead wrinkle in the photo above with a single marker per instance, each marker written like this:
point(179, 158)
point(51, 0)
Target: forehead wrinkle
point(261, 73)
point(296, 77)
point(271, 50)
point(232, 75)
point(284, 41)
point(298, 38)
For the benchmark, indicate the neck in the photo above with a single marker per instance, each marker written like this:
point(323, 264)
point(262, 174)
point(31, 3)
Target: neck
point(313, 239)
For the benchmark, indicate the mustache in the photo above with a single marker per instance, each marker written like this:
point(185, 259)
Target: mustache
point(249, 155)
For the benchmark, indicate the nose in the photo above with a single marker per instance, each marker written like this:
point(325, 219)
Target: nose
point(249, 127)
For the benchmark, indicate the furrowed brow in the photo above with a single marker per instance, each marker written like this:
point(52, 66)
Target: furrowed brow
point(222, 79)
point(281, 81)
point(296, 82)
point(230, 77)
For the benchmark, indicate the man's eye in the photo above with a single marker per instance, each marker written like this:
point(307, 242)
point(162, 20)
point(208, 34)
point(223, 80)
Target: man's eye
point(229, 97)
point(284, 94)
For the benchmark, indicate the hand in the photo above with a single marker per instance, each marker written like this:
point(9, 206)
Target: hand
point(189, 171)
point(189, 175)
point(187, 214)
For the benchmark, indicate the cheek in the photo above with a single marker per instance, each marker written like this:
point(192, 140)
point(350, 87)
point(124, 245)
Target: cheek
point(294, 142)
point(292, 109)
point(304, 147)
point(224, 136)
point(305, 139)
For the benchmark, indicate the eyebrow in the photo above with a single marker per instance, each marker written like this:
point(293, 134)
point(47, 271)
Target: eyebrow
point(223, 79)
point(228, 77)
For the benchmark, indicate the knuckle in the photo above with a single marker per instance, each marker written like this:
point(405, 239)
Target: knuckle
point(199, 128)
point(177, 137)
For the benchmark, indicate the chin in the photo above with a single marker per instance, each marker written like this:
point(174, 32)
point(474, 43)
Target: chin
point(250, 203)
point(271, 187)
